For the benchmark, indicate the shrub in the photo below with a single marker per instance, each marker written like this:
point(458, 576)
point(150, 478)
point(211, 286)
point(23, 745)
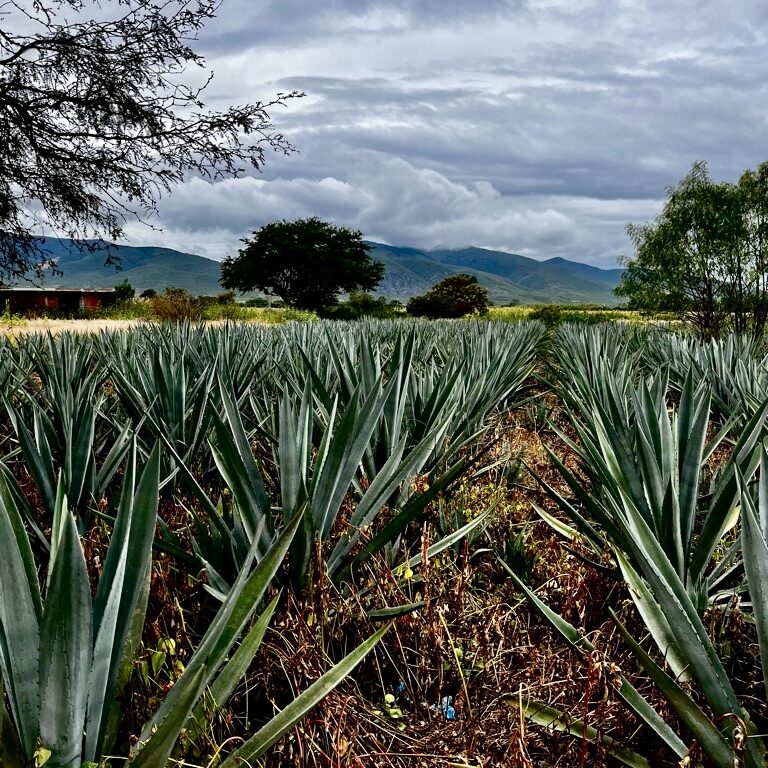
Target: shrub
point(359, 305)
point(549, 314)
point(176, 304)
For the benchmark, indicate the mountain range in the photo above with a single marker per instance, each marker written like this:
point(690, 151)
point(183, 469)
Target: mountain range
point(509, 277)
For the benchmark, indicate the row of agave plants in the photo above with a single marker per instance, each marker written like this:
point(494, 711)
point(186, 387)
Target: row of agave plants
point(666, 491)
point(277, 442)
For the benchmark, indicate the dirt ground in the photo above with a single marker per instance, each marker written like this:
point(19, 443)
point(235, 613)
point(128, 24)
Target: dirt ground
point(42, 325)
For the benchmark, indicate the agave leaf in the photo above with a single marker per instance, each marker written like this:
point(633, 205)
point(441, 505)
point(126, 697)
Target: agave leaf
point(747, 459)
point(153, 749)
point(653, 618)
point(11, 755)
point(394, 611)
point(112, 461)
point(293, 450)
point(65, 650)
point(558, 526)
point(122, 584)
point(39, 460)
point(755, 548)
point(252, 513)
point(78, 450)
point(412, 509)
point(224, 630)
point(19, 500)
point(20, 614)
point(626, 691)
point(263, 739)
point(706, 734)
point(448, 541)
point(339, 464)
point(395, 472)
point(549, 717)
point(233, 671)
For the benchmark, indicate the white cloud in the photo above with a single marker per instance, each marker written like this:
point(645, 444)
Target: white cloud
point(541, 127)
point(391, 200)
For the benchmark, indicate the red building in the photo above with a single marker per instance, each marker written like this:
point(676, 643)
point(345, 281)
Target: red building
point(57, 300)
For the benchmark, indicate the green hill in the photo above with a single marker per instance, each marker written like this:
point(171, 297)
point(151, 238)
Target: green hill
point(508, 277)
point(147, 267)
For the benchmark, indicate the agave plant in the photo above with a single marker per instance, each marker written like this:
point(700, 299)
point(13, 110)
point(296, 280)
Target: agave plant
point(64, 656)
point(317, 489)
point(166, 393)
point(62, 428)
point(721, 727)
point(672, 543)
point(646, 466)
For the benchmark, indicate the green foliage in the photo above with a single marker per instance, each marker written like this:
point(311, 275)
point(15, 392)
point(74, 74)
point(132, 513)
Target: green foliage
point(307, 263)
point(124, 291)
point(455, 296)
point(705, 257)
point(352, 419)
point(176, 305)
point(65, 657)
point(553, 315)
point(549, 314)
point(640, 510)
point(70, 165)
point(359, 305)
point(66, 445)
point(148, 293)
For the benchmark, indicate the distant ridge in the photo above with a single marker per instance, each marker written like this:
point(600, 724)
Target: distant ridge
point(509, 277)
point(142, 267)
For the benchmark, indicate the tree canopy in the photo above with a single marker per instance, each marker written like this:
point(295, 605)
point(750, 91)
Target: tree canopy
point(96, 121)
point(705, 257)
point(306, 262)
point(454, 296)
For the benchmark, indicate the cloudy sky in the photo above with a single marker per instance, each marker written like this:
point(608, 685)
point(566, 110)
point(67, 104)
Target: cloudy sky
point(540, 127)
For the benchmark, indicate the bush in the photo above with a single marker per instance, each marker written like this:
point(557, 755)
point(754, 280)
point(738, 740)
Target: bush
point(176, 304)
point(549, 314)
point(455, 296)
point(149, 293)
point(359, 305)
point(258, 302)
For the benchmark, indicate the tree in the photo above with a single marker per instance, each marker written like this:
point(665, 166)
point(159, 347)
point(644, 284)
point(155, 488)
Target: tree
point(705, 255)
point(753, 188)
point(124, 291)
point(96, 122)
point(307, 263)
point(455, 296)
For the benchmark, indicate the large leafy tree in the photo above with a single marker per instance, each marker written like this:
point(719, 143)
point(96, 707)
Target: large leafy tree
point(306, 262)
point(454, 296)
point(96, 121)
point(705, 255)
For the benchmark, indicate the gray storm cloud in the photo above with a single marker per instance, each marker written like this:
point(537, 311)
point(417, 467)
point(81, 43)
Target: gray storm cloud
point(541, 127)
